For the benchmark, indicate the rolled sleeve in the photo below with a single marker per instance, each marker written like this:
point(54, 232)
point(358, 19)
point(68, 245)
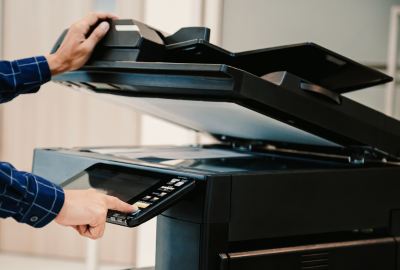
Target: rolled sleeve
point(28, 198)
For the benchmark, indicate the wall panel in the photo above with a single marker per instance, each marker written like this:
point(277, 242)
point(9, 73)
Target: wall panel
point(56, 117)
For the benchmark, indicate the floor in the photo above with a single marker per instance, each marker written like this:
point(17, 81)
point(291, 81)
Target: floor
point(9, 261)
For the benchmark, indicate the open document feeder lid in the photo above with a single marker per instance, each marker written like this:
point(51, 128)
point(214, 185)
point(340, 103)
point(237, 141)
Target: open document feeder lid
point(307, 61)
point(132, 41)
point(228, 102)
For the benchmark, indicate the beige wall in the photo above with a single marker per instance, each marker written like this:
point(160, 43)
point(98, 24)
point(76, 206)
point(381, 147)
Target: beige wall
point(56, 117)
point(60, 117)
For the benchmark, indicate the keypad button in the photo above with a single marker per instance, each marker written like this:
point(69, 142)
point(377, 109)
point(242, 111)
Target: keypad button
point(173, 181)
point(179, 184)
point(146, 198)
point(120, 215)
point(155, 199)
point(141, 204)
point(160, 194)
point(113, 218)
point(166, 188)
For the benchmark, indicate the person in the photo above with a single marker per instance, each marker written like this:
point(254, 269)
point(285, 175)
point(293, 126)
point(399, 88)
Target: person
point(29, 198)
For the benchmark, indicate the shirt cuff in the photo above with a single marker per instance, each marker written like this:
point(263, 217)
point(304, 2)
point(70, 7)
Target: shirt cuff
point(35, 71)
point(47, 203)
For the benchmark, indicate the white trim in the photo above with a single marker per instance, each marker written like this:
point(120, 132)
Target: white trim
point(92, 254)
point(213, 19)
point(198, 12)
point(132, 27)
point(392, 59)
point(129, 9)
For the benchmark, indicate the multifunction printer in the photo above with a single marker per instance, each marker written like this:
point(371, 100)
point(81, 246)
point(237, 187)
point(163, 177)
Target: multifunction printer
point(301, 177)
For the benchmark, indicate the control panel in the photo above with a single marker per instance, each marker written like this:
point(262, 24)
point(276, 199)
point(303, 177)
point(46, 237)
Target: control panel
point(153, 202)
point(151, 192)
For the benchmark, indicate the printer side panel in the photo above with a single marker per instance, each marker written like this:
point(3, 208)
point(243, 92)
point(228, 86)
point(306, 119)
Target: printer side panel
point(210, 202)
point(177, 244)
point(192, 234)
point(183, 245)
point(301, 203)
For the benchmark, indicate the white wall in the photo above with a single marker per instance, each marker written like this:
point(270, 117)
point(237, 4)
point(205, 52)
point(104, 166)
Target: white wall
point(105, 6)
point(172, 15)
point(357, 29)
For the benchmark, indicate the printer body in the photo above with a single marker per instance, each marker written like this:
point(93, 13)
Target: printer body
point(302, 177)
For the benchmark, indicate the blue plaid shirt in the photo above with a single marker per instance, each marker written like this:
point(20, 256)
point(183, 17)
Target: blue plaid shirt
point(26, 197)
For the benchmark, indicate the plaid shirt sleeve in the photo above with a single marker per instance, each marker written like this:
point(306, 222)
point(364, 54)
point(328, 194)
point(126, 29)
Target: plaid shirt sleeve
point(25, 197)
point(28, 198)
point(22, 77)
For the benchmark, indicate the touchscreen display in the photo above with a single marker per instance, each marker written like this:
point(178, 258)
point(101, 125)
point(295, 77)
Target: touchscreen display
point(118, 184)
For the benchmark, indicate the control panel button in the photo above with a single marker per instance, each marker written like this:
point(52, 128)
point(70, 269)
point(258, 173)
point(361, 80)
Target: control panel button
point(146, 198)
point(141, 204)
point(166, 188)
point(155, 199)
point(120, 220)
point(173, 181)
point(179, 184)
point(113, 218)
point(119, 215)
point(160, 194)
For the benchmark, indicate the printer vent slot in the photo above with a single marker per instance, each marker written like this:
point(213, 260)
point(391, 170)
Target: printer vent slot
point(317, 261)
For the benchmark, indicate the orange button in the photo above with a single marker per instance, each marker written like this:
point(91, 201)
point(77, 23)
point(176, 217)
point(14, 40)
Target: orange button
point(141, 204)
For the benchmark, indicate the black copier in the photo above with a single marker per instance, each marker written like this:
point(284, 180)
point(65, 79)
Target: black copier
point(302, 177)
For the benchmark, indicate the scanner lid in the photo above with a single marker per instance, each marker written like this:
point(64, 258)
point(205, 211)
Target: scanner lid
point(250, 98)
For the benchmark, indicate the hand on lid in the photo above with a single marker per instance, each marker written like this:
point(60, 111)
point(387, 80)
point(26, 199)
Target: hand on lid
point(76, 49)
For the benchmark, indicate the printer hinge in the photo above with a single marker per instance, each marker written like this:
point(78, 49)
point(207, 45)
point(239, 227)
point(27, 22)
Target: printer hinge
point(357, 158)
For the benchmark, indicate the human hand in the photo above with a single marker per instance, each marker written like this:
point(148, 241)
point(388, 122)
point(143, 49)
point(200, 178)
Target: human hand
point(76, 49)
point(86, 211)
